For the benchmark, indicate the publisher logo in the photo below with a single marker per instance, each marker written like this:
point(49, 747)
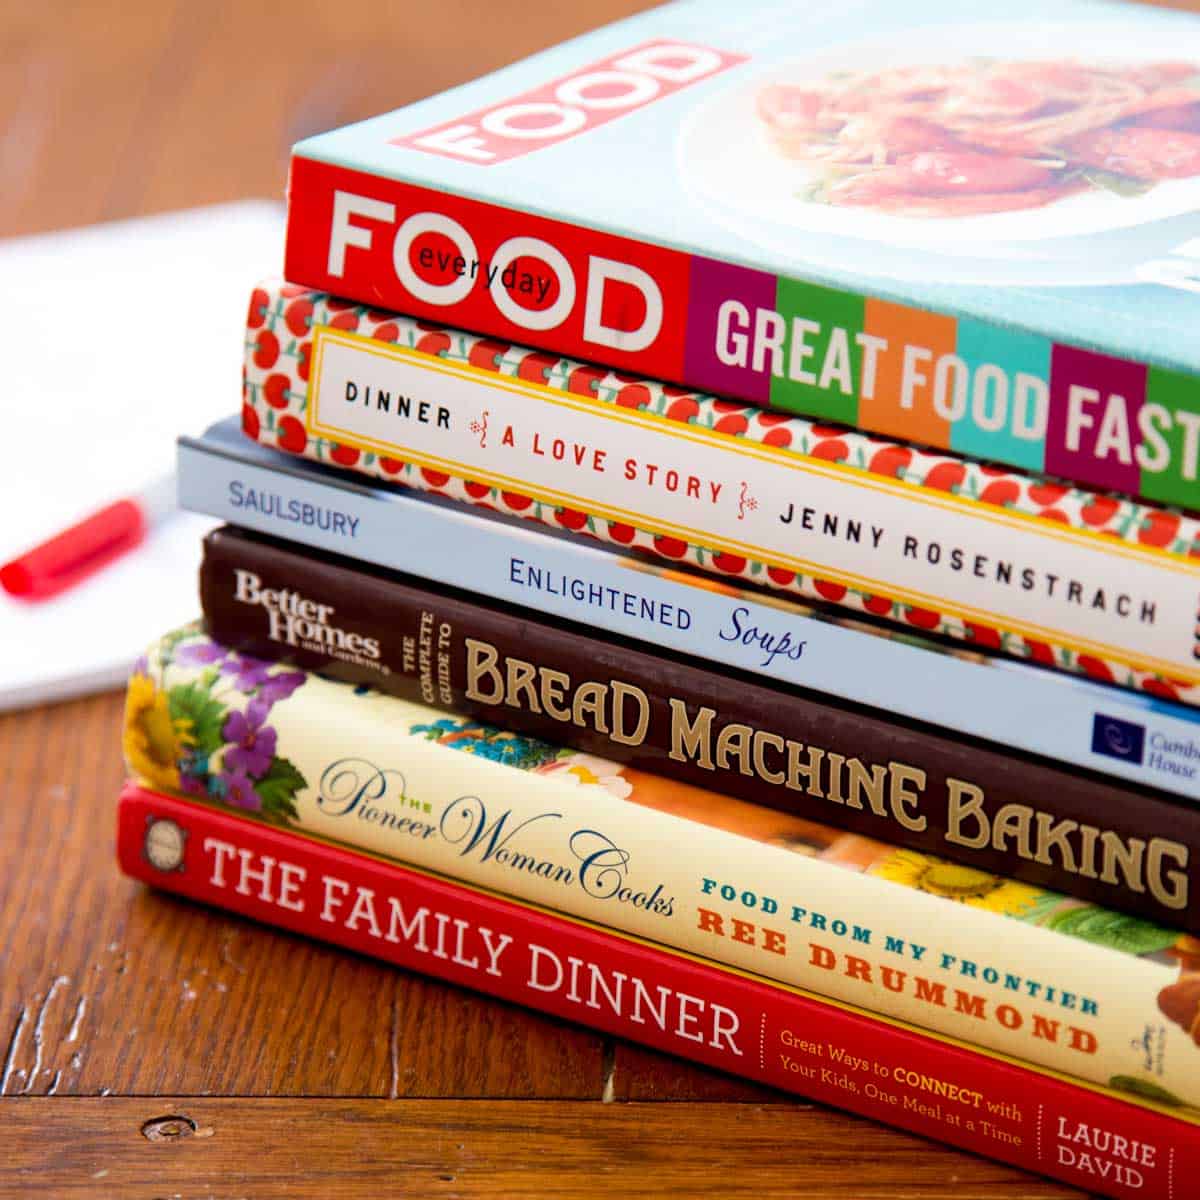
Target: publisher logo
point(295, 620)
point(590, 96)
point(163, 844)
point(1115, 738)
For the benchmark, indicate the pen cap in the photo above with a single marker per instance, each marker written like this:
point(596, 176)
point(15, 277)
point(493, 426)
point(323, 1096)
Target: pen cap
point(72, 555)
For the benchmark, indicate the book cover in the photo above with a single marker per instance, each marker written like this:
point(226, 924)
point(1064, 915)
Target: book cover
point(616, 699)
point(1122, 734)
point(967, 223)
point(1002, 964)
point(1087, 582)
point(1122, 1143)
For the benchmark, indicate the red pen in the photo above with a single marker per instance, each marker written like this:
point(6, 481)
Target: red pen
point(71, 556)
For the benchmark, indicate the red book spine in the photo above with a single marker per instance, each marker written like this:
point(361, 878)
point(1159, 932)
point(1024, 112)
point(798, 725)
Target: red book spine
point(772, 1034)
point(368, 272)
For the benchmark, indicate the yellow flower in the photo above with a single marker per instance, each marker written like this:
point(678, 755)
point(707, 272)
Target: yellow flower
point(587, 768)
point(152, 741)
point(956, 882)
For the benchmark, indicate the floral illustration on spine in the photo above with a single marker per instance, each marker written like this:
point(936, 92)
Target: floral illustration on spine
point(1026, 902)
point(746, 502)
point(525, 753)
point(210, 737)
point(486, 741)
point(480, 427)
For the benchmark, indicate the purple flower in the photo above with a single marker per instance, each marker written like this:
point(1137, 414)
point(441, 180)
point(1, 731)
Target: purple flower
point(281, 686)
point(200, 654)
point(253, 744)
point(193, 785)
point(248, 673)
point(239, 790)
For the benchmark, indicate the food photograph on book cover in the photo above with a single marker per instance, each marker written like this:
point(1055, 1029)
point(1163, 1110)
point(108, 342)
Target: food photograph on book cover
point(987, 143)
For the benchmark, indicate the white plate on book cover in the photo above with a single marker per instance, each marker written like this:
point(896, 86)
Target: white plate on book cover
point(726, 161)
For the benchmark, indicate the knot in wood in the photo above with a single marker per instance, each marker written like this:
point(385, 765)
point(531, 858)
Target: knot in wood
point(168, 1129)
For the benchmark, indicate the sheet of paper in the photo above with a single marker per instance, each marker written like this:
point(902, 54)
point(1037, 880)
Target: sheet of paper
point(116, 339)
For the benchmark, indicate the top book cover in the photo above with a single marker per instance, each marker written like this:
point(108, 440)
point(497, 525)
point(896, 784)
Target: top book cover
point(972, 224)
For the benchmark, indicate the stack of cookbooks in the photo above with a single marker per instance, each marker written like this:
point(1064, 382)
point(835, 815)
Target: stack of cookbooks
point(839, 732)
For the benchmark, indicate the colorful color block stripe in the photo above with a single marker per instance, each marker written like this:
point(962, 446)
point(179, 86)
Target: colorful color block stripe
point(959, 384)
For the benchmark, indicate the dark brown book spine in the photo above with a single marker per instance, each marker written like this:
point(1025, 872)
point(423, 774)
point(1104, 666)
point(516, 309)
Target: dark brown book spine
point(876, 774)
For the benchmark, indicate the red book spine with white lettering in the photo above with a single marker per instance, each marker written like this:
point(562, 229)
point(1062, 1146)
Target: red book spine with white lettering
point(770, 1033)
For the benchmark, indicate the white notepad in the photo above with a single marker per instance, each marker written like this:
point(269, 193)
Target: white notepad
point(115, 339)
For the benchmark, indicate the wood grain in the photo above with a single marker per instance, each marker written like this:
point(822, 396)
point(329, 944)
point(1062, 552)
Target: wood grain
point(112, 108)
point(640, 1074)
point(349, 1150)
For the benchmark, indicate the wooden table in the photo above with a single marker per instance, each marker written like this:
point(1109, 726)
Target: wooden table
point(152, 1048)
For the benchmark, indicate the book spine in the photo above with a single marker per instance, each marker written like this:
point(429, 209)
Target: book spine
point(534, 676)
point(571, 970)
point(1060, 983)
point(1006, 561)
point(778, 342)
point(1122, 734)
